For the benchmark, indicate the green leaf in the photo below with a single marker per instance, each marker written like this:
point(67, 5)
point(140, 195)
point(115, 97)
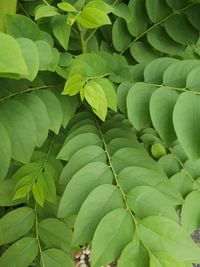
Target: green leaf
point(7, 194)
point(20, 126)
point(53, 109)
point(182, 182)
point(43, 11)
point(113, 233)
point(92, 18)
point(12, 61)
point(81, 158)
point(173, 239)
point(21, 26)
point(157, 9)
point(95, 96)
point(193, 80)
point(143, 52)
point(31, 57)
point(56, 258)
point(38, 193)
point(162, 104)
point(78, 142)
point(48, 186)
point(157, 204)
point(180, 30)
point(55, 234)
point(139, 19)
point(138, 104)
point(190, 213)
point(169, 164)
point(123, 11)
point(67, 7)
point(109, 91)
point(187, 129)
point(61, 30)
point(134, 255)
point(165, 260)
point(177, 4)
point(5, 155)
point(161, 41)
point(20, 254)
point(107, 198)
point(40, 115)
point(15, 224)
point(122, 92)
point(74, 84)
point(153, 72)
point(45, 54)
point(90, 176)
point(120, 29)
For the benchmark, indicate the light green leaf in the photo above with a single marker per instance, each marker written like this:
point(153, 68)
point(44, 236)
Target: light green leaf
point(91, 18)
point(120, 29)
point(21, 129)
point(146, 201)
point(67, 7)
point(15, 224)
point(43, 11)
point(12, 61)
point(109, 91)
point(61, 30)
point(190, 215)
point(20, 254)
point(47, 183)
point(21, 26)
point(5, 155)
point(56, 258)
point(107, 198)
point(53, 109)
point(165, 260)
point(90, 176)
point(162, 104)
point(113, 233)
point(181, 30)
point(138, 104)
point(31, 57)
point(101, 5)
point(74, 84)
point(134, 255)
point(187, 129)
point(55, 234)
point(38, 194)
point(95, 96)
point(172, 239)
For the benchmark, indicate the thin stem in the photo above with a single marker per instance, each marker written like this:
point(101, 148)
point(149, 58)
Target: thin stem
point(90, 36)
point(46, 3)
point(83, 43)
point(21, 6)
point(156, 24)
point(26, 91)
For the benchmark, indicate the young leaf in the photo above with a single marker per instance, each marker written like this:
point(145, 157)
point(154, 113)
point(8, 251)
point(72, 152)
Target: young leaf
point(113, 233)
point(74, 84)
point(43, 11)
point(107, 198)
point(92, 18)
point(67, 7)
point(20, 254)
point(47, 183)
point(15, 224)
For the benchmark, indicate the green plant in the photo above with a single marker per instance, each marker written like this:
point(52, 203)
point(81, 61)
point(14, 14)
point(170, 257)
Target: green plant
point(99, 132)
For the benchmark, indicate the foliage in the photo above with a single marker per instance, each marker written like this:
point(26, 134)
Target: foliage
point(99, 132)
